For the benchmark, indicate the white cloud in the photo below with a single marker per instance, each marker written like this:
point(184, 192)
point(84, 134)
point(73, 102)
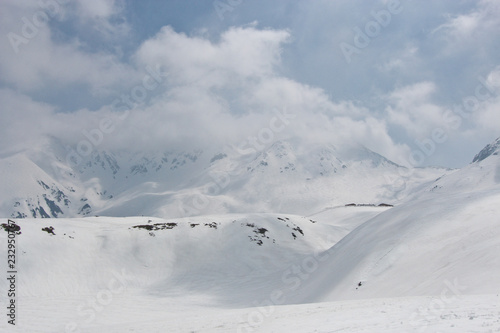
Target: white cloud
point(461, 25)
point(240, 53)
point(487, 115)
point(411, 107)
point(220, 93)
point(480, 21)
point(401, 61)
point(23, 122)
point(39, 62)
point(222, 88)
point(105, 16)
point(97, 8)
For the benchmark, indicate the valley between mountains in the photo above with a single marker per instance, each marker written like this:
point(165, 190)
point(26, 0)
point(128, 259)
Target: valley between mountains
point(263, 242)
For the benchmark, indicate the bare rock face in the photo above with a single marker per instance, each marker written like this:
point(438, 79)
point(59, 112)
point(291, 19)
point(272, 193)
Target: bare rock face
point(491, 149)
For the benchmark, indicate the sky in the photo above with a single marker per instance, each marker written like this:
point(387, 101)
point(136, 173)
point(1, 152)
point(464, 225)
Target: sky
point(415, 81)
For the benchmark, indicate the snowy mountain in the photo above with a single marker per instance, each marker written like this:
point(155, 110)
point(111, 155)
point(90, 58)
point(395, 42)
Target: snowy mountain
point(286, 177)
point(428, 264)
point(490, 149)
point(448, 232)
point(58, 184)
point(28, 191)
point(482, 174)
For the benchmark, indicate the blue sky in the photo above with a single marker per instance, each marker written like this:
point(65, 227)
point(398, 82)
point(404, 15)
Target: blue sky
point(416, 81)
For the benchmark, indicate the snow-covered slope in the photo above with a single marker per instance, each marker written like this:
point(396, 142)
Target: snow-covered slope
point(28, 191)
point(286, 177)
point(89, 183)
point(210, 261)
point(492, 149)
point(239, 272)
point(449, 232)
point(415, 249)
point(482, 174)
point(429, 264)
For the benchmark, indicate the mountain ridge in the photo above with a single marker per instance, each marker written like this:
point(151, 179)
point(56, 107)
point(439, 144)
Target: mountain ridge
point(490, 149)
point(427, 259)
point(285, 176)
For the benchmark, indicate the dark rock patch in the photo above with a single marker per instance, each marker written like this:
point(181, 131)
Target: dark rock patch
point(49, 230)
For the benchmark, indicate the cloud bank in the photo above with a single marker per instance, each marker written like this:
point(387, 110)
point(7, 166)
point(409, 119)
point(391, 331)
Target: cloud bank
point(76, 72)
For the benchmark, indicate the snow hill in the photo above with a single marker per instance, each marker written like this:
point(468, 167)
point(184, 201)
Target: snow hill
point(429, 264)
point(285, 177)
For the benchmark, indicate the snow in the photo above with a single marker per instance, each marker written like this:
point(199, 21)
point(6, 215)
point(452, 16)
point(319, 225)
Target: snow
point(195, 277)
point(428, 264)
point(285, 177)
point(126, 313)
point(490, 149)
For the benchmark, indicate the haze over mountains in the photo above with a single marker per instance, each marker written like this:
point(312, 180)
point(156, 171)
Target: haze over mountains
point(286, 176)
point(249, 166)
point(428, 264)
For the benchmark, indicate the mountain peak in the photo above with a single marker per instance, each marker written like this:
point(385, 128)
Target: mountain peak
point(490, 149)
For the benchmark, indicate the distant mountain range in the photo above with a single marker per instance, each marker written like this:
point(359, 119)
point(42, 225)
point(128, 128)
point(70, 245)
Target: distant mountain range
point(285, 177)
point(430, 263)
